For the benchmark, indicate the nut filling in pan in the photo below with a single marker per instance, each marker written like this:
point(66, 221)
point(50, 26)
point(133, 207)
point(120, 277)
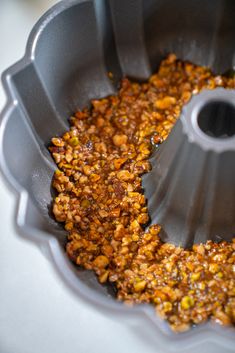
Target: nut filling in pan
point(101, 203)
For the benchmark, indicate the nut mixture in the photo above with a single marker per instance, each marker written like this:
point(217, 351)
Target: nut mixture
point(100, 201)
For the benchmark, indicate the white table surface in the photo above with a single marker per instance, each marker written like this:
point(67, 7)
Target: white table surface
point(31, 319)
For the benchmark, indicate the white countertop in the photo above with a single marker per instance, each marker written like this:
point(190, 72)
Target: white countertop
point(45, 317)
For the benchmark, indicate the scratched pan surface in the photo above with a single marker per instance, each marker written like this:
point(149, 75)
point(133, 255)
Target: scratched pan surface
point(69, 52)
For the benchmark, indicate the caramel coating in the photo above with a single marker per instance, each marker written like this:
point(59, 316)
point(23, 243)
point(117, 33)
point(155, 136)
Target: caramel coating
point(100, 201)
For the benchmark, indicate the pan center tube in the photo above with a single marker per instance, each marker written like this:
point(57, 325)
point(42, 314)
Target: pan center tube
point(217, 119)
point(190, 190)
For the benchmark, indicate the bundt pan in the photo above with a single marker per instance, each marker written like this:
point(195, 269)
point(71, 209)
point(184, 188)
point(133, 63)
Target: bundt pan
point(68, 55)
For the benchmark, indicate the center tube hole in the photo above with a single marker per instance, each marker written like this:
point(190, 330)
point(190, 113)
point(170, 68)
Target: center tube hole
point(217, 119)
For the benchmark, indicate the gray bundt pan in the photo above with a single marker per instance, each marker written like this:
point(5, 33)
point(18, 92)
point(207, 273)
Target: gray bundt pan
point(68, 55)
